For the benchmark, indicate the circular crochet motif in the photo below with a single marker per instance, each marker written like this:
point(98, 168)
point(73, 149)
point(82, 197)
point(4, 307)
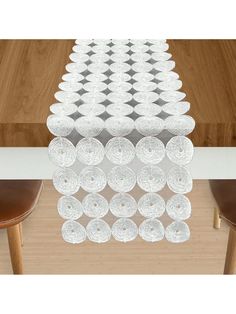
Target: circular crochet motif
point(150, 150)
point(151, 205)
point(62, 152)
point(98, 231)
point(66, 181)
point(73, 232)
point(178, 207)
point(89, 126)
point(151, 230)
point(123, 205)
point(151, 178)
point(179, 150)
point(120, 151)
point(60, 125)
point(124, 230)
point(179, 180)
point(92, 179)
point(62, 109)
point(95, 205)
point(69, 208)
point(121, 179)
point(177, 232)
point(90, 151)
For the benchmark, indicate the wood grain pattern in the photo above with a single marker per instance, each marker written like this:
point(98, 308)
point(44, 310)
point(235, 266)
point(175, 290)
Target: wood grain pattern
point(14, 239)
point(207, 69)
point(30, 71)
point(45, 252)
point(230, 259)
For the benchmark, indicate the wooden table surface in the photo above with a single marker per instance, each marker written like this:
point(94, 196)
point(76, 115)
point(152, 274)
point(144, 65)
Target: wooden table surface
point(30, 71)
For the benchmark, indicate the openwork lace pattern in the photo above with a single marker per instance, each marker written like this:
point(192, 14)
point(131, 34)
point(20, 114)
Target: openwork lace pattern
point(120, 124)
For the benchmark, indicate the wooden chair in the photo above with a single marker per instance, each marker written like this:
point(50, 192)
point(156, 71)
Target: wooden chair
point(224, 192)
point(17, 200)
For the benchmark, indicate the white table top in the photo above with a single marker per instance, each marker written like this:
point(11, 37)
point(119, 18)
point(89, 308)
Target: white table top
point(33, 163)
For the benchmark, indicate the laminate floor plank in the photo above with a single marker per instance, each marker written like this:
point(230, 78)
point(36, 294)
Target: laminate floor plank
point(46, 253)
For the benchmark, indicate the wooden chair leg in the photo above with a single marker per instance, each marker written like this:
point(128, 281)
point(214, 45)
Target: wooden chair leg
point(230, 259)
point(21, 234)
point(14, 241)
point(217, 219)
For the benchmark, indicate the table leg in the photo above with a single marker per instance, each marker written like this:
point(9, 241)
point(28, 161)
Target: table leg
point(14, 241)
point(217, 219)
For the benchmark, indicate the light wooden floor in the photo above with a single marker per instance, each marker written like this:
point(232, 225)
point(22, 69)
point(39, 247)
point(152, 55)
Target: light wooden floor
point(46, 253)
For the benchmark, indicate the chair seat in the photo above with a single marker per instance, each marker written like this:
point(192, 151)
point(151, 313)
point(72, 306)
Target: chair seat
point(224, 192)
point(17, 200)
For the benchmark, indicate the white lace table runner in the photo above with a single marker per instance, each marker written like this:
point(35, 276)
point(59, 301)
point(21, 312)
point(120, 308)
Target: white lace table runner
point(120, 124)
